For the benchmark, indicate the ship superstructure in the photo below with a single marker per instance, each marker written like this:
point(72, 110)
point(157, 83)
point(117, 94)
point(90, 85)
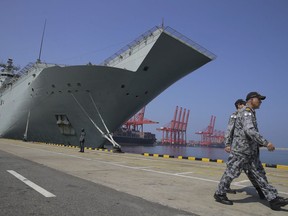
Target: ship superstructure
point(52, 103)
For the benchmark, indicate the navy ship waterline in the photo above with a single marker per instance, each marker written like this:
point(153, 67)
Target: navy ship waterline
point(51, 103)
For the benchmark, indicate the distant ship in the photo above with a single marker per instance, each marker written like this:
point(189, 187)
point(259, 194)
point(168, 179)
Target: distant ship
point(132, 131)
point(51, 103)
point(134, 138)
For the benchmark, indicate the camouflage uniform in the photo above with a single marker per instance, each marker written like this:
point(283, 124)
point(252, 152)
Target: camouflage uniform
point(228, 138)
point(245, 155)
point(230, 130)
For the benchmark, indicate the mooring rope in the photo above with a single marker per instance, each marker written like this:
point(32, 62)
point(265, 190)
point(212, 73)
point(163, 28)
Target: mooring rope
point(108, 132)
point(103, 134)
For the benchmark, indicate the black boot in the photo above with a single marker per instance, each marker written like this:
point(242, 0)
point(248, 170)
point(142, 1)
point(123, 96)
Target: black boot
point(260, 193)
point(222, 199)
point(278, 202)
point(231, 191)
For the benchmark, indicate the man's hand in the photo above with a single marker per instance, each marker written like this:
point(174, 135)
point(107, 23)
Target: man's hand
point(228, 149)
point(270, 147)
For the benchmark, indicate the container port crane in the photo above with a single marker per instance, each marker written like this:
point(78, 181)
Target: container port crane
point(209, 136)
point(137, 121)
point(175, 131)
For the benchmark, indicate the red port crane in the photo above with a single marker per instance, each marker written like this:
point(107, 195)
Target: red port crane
point(175, 131)
point(209, 135)
point(136, 122)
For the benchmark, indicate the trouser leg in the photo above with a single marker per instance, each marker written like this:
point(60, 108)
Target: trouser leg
point(261, 180)
point(82, 146)
point(260, 169)
point(233, 170)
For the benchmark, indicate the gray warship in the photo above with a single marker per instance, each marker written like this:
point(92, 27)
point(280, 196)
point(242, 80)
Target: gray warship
point(51, 103)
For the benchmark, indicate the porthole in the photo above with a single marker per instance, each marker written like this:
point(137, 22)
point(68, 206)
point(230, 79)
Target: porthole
point(146, 68)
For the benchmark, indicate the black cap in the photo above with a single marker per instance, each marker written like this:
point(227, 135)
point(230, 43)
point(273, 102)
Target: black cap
point(255, 95)
point(239, 102)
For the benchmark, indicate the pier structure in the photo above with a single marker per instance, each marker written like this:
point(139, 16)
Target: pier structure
point(187, 185)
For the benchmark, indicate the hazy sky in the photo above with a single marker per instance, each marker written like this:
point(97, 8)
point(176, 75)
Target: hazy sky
point(249, 37)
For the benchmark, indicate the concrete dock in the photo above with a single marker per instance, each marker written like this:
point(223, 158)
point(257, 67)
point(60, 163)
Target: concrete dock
point(180, 184)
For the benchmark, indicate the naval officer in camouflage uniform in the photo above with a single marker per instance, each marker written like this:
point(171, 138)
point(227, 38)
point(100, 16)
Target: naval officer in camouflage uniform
point(245, 152)
point(228, 138)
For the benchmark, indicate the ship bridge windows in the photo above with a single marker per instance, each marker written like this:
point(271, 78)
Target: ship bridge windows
point(64, 125)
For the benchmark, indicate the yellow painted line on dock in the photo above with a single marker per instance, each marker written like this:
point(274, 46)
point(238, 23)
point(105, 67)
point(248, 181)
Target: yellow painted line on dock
point(278, 166)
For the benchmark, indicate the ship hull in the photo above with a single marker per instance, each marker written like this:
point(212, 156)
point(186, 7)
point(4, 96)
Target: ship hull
point(32, 107)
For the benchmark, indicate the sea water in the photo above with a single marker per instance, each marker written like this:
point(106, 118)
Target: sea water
point(279, 156)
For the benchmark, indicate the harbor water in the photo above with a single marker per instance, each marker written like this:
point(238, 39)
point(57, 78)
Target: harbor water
point(279, 156)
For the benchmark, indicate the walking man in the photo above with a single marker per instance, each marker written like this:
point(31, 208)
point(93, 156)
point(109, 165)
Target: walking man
point(82, 140)
point(228, 138)
point(245, 151)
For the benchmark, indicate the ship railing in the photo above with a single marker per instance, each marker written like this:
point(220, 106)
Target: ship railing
point(137, 44)
point(25, 70)
point(147, 38)
point(21, 75)
point(189, 42)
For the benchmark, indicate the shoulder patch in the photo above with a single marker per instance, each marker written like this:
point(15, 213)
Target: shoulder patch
point(248, 109)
